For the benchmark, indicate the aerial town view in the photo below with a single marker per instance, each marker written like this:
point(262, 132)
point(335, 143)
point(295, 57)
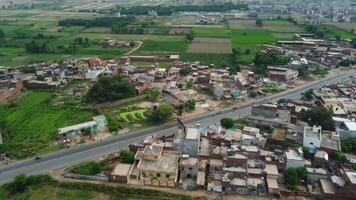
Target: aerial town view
point(177, 99)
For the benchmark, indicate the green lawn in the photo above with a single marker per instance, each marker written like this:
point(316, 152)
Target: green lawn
point(331, 31)
point(207, 59)
point(211, 32)
point(251, 36)
point(32, 122)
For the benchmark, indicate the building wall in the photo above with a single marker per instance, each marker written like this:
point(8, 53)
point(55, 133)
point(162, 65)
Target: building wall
point(294, 163)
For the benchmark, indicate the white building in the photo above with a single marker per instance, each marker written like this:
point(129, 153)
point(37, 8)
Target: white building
point(312, 137)
point(345, 128)
point(294, 158)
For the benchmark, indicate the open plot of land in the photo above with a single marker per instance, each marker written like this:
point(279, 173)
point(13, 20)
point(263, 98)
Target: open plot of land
point(219, 32)
point(332, 31)
point(32, 122)
point(251, 36)
point(210, 45)
point(131, 37)
point(179, 30)
point(272, 25)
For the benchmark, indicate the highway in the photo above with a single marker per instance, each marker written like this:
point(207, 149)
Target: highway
point(70, 156)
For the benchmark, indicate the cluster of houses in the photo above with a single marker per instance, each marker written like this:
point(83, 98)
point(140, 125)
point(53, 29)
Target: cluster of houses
point(307, 47)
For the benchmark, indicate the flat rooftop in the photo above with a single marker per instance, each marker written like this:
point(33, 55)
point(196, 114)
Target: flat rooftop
point(168, 163)
point(192, 134)
point(351, 175)
point(293, 155)
point(121, 169)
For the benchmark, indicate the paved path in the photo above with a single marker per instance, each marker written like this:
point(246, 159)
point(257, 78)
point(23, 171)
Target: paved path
point(94, 150)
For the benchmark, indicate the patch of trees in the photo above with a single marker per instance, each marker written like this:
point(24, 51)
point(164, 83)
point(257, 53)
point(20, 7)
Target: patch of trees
point(37, 47)
point(2, 34)
point(262, 60)
point(227, 122)
point(349, 145)
point(111, 89)
point(161, 113)
point(122, 29)
point(153, 94)
point(87, 168)
point(163, 10)
point(98, 22)
point(81, 41)
point(347, 63)
point(22, 182)
point(319, 116)
point(293, 176)
point(185, 71)
point(259, 22)
point(308, 95)
point(191, 104)
point(127, 156)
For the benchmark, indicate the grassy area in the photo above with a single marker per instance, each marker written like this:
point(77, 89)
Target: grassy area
point(84, 191)
point(332, 31)
point(32, 122)
point(251, 36)
point(219, 32)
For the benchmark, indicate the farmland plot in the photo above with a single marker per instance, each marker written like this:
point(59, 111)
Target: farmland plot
point(210, 45)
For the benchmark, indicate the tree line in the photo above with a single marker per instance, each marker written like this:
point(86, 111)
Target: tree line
point(98, 22)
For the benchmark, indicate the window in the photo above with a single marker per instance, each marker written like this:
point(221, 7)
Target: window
point(311, 143)
point(190, 168)
point(167, 175)
point(158, 175)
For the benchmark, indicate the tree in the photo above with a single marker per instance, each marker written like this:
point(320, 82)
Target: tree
point(352, 30)
point(248, 51)
point(253, 94)
point(282, 100)
point(259, 22)
point(161, 113)
point(111, 89)
point(40, 78)
point(308, 95)
point(227, 122)
point(87, 168)
point(191, 104)
point(353, 43)
point(2, 34)
point(347, 63)
point(319, 116)
point(190, 84)
point(338, 37)
point(185, 71)
point(291, 178)
point(302, 173)
point(340, 157)
point(153, 94)
point(127, 156)
point(189, 36)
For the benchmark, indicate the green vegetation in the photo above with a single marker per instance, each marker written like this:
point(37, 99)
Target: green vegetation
point(262, 60)
point(259, 22)
point(153, 94)
point(32, 123)
point(349, 145)
point(219, 32)
point(42, 187)
point(133, 115)
point(163, 46)
point(329, 32)
point(251, 36)
point(111, 89)
point(161, 113)
point(347, 63)
point(319, 116)
point(191, 104)
point(227, 122)
point(293, 176)
point(253, 94)
point(308, 95)
point(87, 168)
point(207, 59)
point(127, 156)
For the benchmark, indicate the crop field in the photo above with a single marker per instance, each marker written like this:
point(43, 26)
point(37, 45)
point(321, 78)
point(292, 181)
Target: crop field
point(251, 36)
point(33, 121)
point(133, 115)
point(179, 30)
point(210, 45)
point(346, 26)
point(331, 31)
point(219, 32)
point(152, 46)
point(207, 59)
point(272, 25)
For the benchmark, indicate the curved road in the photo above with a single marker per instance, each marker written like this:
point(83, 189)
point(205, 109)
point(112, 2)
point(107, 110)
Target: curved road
point(94, 150)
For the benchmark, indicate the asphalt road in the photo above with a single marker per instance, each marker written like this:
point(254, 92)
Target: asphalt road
point(67, 157)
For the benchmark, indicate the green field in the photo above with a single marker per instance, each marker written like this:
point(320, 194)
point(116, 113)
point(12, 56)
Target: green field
point(32, 122)
point(207, 59)
point(331, 31)
point(219, 32)
point(251, 36)
point(163, 46)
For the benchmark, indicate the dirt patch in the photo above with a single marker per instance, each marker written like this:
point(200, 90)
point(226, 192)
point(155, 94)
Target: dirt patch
point(210, 45)
point(19, 58)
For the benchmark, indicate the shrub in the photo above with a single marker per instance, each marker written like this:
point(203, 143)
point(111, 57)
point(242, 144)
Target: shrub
point(87, 168)
point(127, 156)
point(227, 122)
